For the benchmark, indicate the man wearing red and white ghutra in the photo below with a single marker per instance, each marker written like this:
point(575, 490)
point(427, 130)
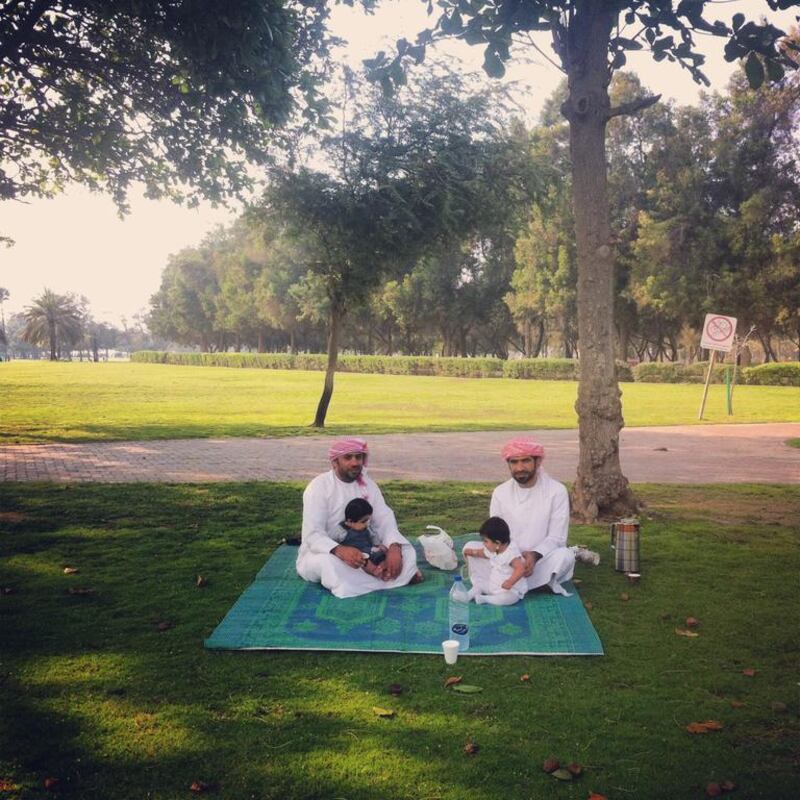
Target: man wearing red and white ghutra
point(536, 509)
point(322, 558)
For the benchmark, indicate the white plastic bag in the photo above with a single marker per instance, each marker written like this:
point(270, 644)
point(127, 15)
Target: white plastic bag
point(438, 548)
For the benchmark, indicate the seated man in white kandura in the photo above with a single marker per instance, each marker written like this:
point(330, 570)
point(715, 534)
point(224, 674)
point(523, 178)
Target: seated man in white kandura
point(322, 557)
point(536, 509)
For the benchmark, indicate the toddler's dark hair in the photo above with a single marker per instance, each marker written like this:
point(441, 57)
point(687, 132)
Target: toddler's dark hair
point(357, 509)
point(496, 530)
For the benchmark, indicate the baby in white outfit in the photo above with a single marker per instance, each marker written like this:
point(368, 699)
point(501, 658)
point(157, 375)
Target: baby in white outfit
point(504, 587)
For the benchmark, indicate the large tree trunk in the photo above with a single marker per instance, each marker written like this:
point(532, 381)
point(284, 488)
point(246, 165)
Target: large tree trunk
point(600, 487)
point(333, 357)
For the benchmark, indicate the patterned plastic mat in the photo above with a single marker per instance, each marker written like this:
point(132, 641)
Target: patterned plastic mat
point(280, 611)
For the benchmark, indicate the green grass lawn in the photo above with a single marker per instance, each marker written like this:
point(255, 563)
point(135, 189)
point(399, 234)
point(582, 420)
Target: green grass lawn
point(94, 694)
point(44, 402)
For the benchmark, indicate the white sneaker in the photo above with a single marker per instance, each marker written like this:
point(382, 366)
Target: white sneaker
point(586, 555)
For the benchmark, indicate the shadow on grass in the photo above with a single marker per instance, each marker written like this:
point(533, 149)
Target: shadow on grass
point(95, 694)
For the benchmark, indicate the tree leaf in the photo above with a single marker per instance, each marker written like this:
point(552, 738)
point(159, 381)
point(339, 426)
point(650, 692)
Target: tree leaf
point(749, 672)
point(382, 712)
point(754, 70)
point(492, 65)
point(466, 688)
point(70, 570)
point(452, 680)
point(705, 727)
point(562, 774)
point(686, 633)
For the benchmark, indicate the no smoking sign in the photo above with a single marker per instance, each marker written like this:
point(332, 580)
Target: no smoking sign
point(718, 332)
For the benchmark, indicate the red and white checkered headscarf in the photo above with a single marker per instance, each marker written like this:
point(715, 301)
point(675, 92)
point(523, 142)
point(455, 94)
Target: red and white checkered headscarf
point(347, 445)
point(522, 447)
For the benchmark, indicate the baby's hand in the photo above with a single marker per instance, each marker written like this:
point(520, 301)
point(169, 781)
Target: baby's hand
point(506, 585)
point(472, 552)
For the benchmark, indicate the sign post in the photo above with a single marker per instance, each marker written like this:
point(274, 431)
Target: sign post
point(718, 332)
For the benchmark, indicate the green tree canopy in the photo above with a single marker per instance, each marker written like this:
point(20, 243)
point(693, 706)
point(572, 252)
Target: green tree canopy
point(178, 94)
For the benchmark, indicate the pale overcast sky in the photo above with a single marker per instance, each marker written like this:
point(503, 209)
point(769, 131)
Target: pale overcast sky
point(76, 242)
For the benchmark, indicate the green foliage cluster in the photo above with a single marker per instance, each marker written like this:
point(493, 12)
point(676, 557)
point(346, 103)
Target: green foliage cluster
point(668, 372)
point(783, 374)
point(545, 369)
point(94, 694)
point(177, 95)
point(382, 365)
point(554, 369)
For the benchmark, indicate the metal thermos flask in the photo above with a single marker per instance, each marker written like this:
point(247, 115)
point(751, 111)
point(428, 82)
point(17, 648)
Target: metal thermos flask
point(625, 544)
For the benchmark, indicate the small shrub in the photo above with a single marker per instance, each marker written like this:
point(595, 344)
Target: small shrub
point(672, 372)
point(785, 373)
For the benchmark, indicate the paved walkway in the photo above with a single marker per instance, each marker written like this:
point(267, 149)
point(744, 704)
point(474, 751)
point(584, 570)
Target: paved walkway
point(681, 454)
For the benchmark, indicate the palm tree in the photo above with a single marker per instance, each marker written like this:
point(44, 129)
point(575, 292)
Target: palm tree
point(49, 318)
point(4, 295)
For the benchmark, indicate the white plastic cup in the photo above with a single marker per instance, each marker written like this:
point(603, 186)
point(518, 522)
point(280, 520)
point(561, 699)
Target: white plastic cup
point(450, 648)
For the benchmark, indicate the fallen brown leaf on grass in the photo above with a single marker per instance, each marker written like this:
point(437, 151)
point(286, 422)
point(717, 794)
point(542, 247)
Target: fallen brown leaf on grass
point(81, 590)
point(588, 605)
point(625, 597)
point(471, 748)
point(577, 581)
point(525, 677)
point(728, 786)
point(575, 768)
point(164, 626)
point(200, 582)
point(779, 708)
point(686, 633)
point(382, 712)
point(396, 689)
point(71, 570)
point(551, 764)
point(749, 672)
point(51, 784)
point(705, 727)
point(738, 704)
point(562, 774)
point(692, 622)
point(452, 680)
point(713, 790)
point(199, 787)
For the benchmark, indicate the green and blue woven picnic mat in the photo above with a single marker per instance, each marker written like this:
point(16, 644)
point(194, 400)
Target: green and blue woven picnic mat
point(280, 611)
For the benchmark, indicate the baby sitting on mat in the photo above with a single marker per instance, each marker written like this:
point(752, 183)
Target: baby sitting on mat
point(504, 587)
point(357, 515)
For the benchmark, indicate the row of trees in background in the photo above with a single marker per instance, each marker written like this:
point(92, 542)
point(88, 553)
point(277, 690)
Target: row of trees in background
point(470, 250)
point(61, 326)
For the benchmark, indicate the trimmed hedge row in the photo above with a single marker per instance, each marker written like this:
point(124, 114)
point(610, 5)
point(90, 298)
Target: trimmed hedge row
point(551, 369)
point(782, 374)
point(387, 365)
point(554, 369)
point(786, 373)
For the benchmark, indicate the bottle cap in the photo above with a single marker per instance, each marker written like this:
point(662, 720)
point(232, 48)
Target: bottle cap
point(456, 578)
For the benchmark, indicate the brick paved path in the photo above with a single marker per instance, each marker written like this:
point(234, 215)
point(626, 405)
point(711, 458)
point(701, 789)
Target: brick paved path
point(681, 454)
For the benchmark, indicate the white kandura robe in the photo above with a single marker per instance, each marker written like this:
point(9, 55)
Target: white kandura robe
point(324, 501)
point(538, 518)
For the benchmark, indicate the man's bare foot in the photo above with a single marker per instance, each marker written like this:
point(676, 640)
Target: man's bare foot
point(418, 577)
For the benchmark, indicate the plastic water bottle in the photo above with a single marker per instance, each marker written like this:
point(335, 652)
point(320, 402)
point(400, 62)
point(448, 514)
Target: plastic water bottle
point(458, 612)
